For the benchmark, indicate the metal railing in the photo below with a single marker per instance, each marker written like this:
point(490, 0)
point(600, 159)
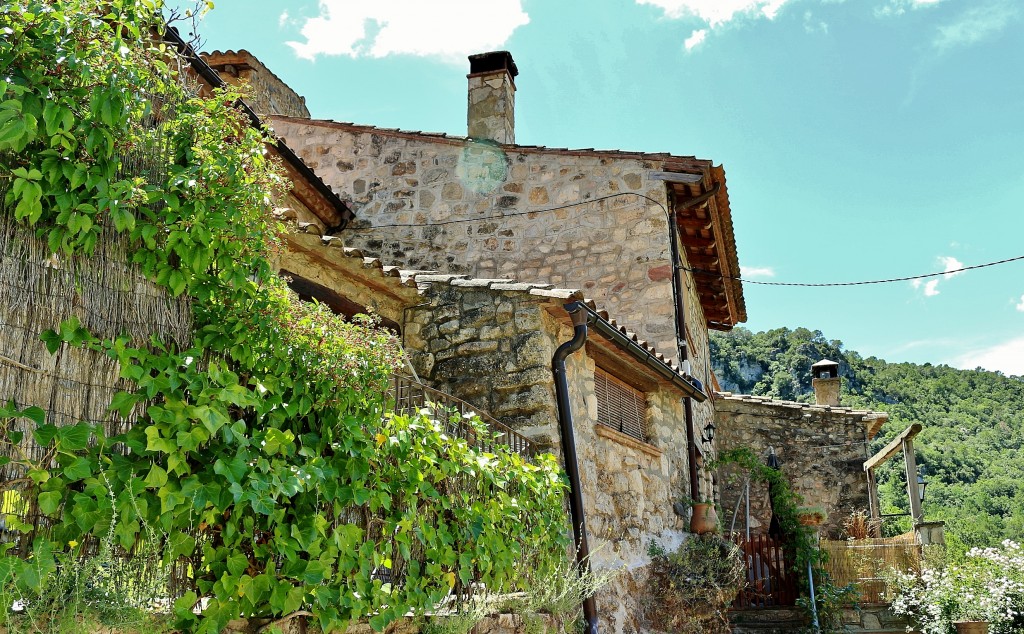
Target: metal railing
point(408, 396)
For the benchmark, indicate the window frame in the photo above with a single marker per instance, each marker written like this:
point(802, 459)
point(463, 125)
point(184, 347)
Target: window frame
point(607, 387)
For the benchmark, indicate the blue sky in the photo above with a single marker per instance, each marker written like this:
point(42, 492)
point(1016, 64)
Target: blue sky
point(862, 139)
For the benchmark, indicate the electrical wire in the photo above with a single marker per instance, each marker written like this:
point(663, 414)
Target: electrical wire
point(512, 214)
point(861, 283)
point(696, 271)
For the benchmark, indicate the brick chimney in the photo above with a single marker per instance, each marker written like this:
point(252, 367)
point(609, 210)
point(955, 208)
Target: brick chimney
point(826, 382)
point(492, 97)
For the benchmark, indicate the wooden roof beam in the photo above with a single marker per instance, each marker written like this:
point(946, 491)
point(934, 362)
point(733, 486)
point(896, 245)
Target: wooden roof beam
point(890, 450)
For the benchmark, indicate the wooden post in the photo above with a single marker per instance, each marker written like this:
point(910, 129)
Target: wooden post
point(873, 506)
point(912, 489)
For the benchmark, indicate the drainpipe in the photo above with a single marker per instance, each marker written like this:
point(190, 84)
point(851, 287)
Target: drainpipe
point(678, 292)
point(572, 468)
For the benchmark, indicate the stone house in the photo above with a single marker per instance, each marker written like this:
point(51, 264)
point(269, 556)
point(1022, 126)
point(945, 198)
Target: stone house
point(822, 449)
point(491, 342)
point(477, 251)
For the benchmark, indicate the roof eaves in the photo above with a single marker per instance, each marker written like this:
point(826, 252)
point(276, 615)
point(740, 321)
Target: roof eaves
point(626, 339)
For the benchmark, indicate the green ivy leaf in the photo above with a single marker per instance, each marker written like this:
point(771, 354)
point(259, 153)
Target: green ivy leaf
point(44, 434)
point(238, 563)
point(50, 337)
point(49, 502)
point(35, 414)
point(74, 438)
point(157, 477)
point(79, 469)
point(181, 545)
point(123, 402)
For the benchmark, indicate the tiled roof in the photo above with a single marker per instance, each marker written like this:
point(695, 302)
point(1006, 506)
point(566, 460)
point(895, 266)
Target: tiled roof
point(873, 419)
point(421, 279)
point(706, 233)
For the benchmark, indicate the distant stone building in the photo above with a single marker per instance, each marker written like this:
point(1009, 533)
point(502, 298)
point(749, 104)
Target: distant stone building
point(821, 448)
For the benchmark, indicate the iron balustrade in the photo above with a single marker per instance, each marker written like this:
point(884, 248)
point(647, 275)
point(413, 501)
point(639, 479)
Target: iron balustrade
point(407, 396)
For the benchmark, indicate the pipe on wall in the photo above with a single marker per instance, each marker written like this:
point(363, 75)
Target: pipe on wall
point(679, 293)
point(572, 469)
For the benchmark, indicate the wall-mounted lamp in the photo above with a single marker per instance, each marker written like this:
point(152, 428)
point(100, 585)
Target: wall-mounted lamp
point(921, 484)
point(709, 433)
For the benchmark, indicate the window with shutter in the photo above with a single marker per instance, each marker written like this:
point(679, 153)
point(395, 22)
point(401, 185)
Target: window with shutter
point(620, 406)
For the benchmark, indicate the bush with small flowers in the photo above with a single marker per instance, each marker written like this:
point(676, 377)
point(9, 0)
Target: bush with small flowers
point(987, 585)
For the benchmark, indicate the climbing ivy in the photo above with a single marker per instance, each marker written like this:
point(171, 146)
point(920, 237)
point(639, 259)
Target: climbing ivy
point(262, 457)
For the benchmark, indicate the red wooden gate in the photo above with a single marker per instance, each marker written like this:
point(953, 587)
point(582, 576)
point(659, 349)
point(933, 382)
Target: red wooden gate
point(771, 582)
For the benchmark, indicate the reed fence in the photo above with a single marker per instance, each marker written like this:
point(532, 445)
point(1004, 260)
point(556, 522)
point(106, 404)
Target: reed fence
point(865, 562)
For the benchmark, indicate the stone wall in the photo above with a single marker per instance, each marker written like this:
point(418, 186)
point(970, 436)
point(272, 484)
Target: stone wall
point(822, 451)
point(492, 346)
point(574, 220)
point(267, 94)
point(700, 367)
point(630, 490)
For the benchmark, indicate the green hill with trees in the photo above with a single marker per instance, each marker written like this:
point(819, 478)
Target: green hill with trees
point(973, 422)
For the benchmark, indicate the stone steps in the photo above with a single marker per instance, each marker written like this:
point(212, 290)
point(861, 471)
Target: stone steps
point(872, 619)
point(767, 621)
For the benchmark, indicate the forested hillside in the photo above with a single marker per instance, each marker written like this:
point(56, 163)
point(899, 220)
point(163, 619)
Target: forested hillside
point(973, 423)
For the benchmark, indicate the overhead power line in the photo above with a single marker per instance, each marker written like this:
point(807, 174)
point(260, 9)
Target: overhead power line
point(890, 280)
point(511, 214)
point(696, 271)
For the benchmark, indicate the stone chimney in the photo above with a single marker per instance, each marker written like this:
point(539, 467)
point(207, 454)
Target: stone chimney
point(826, 382)
point(492, 97)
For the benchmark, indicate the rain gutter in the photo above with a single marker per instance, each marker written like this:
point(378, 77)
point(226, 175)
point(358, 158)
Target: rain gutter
point(690, 386)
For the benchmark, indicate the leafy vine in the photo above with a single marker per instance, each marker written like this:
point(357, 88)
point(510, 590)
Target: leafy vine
point(262, 457)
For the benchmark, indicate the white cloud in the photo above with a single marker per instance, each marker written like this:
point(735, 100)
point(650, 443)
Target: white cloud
point(283, 18)
point(716, 12)
point(951, 268)
point(930, 287)
point(757, 271)
point(695, 38)
point(974, 25)
point(1020, 306)
point(1007, 357)
point(449, 29)
point(813, 24)
point(899, 7)
point(952, 265)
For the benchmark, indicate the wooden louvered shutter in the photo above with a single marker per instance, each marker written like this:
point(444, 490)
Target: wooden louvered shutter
point(620, 406)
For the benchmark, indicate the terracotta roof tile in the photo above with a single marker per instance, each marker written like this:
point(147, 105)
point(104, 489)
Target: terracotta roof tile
point(441, 136)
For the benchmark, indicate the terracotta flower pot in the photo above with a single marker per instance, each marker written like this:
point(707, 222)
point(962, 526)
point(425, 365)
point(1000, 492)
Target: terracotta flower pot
point(703, 519)
point(811, 517)
point(971, 627)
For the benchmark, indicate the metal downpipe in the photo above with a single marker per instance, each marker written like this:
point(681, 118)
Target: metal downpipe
point(572, 468)
point(682, 346)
